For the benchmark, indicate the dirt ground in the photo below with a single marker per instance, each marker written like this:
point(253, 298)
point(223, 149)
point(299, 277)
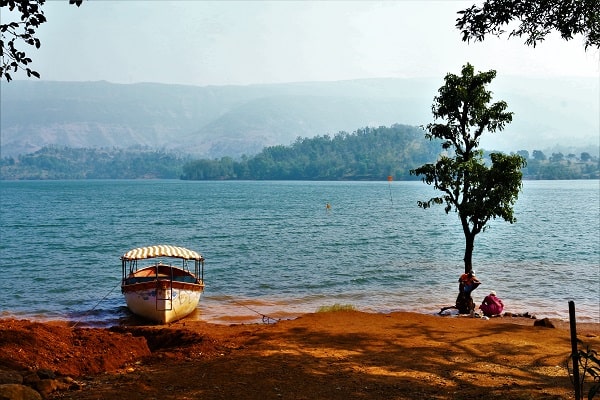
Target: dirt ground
point(340, 355)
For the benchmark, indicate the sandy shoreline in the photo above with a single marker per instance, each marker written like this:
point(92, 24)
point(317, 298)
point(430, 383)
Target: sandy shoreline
point(258, 314)
point(331, 355)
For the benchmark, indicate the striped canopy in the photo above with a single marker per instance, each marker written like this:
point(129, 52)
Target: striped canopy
point(161, 251)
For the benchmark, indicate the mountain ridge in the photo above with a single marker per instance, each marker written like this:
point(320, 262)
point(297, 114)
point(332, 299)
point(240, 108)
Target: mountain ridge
point(215, 121)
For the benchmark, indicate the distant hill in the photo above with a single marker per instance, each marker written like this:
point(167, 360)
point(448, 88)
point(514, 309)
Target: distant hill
point(367, 154)
point(216, 121)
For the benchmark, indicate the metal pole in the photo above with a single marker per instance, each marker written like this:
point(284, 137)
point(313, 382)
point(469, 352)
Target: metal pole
point(574, 350)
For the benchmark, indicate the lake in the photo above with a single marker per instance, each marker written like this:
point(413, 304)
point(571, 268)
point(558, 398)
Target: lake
point(273, 250)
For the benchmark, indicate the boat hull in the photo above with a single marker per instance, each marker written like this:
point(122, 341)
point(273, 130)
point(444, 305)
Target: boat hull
point(158, 302)
point(162, 292)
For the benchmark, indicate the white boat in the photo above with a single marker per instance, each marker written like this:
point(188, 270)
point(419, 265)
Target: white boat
point(160, 291)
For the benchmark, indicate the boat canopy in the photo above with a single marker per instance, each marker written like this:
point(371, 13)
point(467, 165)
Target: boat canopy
point(161, 251)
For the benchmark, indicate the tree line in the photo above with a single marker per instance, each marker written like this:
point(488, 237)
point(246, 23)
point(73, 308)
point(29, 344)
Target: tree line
point(560, 166)
point(55, 162)
point(366, 154)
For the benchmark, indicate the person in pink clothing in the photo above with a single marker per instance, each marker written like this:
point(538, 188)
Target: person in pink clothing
point(491, 305)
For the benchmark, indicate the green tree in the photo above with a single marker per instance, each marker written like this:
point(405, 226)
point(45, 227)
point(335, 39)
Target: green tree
point(524, 154)
point(539, 155)
point(557, 157)
point(536, 19)
point(27, 16)
point(476, 191)
point(585, 156)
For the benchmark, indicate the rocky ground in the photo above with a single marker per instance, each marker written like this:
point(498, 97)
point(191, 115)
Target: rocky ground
point(340, 355)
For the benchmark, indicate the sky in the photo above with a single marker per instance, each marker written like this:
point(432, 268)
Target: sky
point(256, 42)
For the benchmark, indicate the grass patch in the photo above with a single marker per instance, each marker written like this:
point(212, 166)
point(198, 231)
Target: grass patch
point(336, 307)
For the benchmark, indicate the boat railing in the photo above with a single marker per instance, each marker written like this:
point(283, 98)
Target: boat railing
point(130, 267)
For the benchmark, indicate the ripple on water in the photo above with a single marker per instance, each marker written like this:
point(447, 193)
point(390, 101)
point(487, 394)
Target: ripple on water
point(274, 243)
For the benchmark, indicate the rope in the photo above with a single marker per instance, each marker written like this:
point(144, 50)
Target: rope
point(265, 318)
point(98, 303)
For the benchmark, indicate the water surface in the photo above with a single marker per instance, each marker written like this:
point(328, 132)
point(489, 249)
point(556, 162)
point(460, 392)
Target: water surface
point(272, 249)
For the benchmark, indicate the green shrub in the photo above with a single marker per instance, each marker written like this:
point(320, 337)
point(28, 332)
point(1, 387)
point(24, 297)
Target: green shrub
point(336, 307)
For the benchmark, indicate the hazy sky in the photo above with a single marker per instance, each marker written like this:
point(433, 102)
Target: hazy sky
point(247, 42)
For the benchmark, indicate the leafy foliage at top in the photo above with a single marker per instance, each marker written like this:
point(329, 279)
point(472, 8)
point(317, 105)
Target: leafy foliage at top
point(367, 154)
point(29, 16)
point(536, 19)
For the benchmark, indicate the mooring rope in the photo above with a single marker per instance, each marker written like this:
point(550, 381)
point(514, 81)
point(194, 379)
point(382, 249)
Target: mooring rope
point(97, 304)
point(265, 318)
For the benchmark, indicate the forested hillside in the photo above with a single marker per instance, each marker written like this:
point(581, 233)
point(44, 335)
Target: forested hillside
point(69, 163)
point(208, 122)
point(367, 154)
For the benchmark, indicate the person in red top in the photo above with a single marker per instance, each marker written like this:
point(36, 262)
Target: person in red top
point(468, 282)
point(492, 305)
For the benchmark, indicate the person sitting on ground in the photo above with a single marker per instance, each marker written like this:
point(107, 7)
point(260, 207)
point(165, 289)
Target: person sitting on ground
point(492, 305)
point(468, 282)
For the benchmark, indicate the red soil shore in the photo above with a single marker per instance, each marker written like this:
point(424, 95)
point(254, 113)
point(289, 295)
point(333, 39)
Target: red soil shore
point(333, 355)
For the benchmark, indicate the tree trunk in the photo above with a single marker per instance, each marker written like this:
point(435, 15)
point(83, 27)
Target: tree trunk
point(469, 245)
